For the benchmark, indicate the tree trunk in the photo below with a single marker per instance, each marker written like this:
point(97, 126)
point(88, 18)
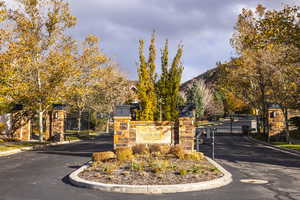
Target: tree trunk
point(79, 122)
point(41, 127)
point(257, 124)
point(107, 125)
point(265, 117)
point(40, 109)
point(286, 121)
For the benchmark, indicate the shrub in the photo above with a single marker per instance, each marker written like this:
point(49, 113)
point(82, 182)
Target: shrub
point(196, 156)
point(156, 154)
point(140, 149)
point(164, 149)
point(183, 172)
point(154, 148)
point(159, 166)
point(196, 169)
point(213, 169)
point(103, 156)
point(136, 166)
point(96, 164)
point(124, 154)
point(109, 167)
point(173, 166)
point(177, 151)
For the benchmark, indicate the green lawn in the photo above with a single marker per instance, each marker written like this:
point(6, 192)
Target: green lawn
point(72, 138)
point(8, 147)
point(83, 133)
point(19, 145)
point(285, 145)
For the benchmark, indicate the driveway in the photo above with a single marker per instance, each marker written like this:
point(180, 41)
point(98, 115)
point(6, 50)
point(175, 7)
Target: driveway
point(42, 175)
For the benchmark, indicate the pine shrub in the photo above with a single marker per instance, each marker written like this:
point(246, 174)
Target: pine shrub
point(195, 156)
point(103, 156)
point(124, 154)
point(178, 151)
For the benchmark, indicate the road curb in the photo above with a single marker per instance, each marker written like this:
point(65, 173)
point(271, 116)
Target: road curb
point(37, 147)
point(152, 189)
point(282, 149)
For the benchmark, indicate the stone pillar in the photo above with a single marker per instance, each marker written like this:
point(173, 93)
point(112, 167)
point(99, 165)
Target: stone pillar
point(276, 121)
point(58, 123)
point(186, 132)
point(24, 133)
point(121, 131)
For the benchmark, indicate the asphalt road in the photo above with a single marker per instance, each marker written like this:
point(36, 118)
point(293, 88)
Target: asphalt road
point(42, 175)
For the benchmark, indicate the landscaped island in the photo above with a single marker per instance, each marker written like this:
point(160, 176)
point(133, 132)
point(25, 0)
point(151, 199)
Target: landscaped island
point(150, 165)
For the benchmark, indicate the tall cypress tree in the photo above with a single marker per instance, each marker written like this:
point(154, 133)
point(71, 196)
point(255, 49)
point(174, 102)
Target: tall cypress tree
point(163, 95)
point(152, 97)
point(169, 83)
point(143, 76)
point(163, 85)
point(146, 83)
point(174, 81)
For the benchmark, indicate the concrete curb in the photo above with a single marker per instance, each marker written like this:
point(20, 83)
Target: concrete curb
point(37, 147)
point(282, 149)
point(152, 189)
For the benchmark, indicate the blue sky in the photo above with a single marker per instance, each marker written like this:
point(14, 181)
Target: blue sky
point(204, 27)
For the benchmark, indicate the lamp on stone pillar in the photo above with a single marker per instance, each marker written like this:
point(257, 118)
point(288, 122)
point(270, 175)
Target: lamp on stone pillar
point(122, 118)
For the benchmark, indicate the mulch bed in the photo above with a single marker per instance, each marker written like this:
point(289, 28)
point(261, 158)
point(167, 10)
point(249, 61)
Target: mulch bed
point(178, 172)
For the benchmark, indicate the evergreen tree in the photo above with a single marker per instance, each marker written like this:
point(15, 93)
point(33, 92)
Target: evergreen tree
point(151, 67)
point(169, 83)
point(146, 82)
point(161, 97)
point(163, 85)
point(174, 83)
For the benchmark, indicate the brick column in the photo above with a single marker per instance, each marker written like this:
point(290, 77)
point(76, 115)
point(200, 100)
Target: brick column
point(58, 123)
point(48, 127)
point(24, 132)
point(186, 132)
point(276, 121)
point(121, 131)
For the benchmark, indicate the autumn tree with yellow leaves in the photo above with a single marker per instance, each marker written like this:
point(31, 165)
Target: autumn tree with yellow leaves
point(41, 65)
point(268, 43)
point(36, 55)
point(97, 84)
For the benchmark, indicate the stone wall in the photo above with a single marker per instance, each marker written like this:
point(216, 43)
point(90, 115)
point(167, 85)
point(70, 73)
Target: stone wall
point(128, 133)
point(186, 133)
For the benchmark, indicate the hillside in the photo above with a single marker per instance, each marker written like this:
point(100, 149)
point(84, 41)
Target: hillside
point(210, 77)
